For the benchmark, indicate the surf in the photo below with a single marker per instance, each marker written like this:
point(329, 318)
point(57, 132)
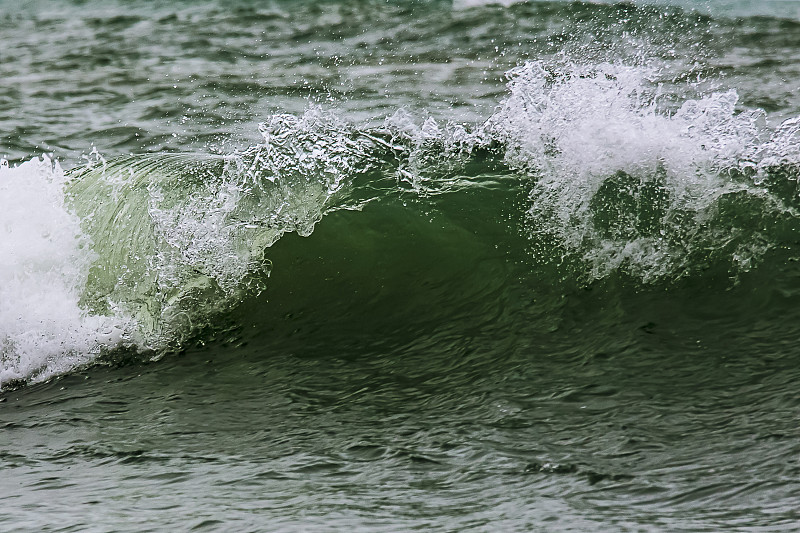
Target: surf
point(146, 253)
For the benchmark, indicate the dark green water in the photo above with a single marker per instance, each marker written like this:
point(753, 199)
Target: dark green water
point(323, 266)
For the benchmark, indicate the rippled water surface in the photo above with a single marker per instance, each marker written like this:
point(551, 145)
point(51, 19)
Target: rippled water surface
point(390, 266)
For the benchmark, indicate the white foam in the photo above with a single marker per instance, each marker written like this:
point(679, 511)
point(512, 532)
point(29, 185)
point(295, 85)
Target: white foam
point(574, 128)
point(44, 262)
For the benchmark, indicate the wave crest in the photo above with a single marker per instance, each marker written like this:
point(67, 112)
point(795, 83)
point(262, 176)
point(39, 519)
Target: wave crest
point(627, 183)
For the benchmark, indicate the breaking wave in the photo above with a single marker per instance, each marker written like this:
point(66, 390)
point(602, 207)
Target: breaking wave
point(144, 252)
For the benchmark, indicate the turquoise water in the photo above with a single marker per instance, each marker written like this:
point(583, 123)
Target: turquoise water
point(384, 266)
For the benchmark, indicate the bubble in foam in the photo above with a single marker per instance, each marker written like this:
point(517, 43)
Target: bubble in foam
point(44, 261)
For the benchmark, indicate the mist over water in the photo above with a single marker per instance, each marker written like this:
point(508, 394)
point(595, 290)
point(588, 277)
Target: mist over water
point(524, 266)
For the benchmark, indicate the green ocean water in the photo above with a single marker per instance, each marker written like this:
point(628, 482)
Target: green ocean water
point(392, 266)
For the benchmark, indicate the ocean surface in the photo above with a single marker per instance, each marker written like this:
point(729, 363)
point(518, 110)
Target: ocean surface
point(367, 265)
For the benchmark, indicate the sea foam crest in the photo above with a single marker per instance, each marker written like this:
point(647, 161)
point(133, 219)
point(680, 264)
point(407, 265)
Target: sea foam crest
point(223, 223)
point(617, 177)
point(44, 260)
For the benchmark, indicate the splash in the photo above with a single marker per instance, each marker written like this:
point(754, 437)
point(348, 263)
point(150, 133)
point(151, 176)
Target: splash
point(624, 181)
